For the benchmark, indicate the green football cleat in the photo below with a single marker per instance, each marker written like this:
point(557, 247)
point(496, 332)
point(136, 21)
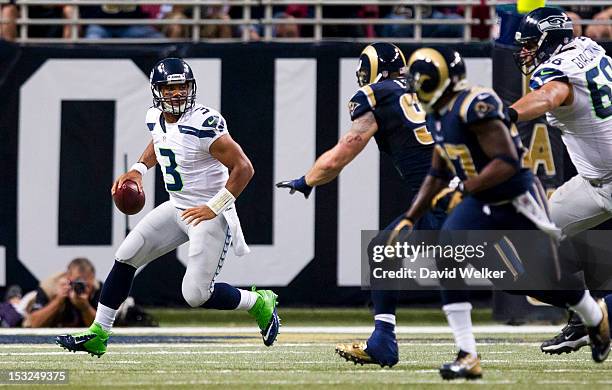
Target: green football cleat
point(266, 315)
point(93, 340)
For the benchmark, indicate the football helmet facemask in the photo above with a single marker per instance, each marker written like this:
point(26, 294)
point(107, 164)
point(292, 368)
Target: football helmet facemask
point(173, 71)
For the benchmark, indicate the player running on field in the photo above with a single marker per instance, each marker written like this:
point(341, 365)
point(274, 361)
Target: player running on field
point(571, 83)
point(474, 142)
point(382, 109)
point(195, 151)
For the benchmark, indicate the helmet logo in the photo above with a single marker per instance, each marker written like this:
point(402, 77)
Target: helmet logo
point(554, 22)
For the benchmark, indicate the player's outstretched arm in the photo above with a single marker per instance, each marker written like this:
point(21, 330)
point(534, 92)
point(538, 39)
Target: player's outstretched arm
point(230, 154)
point(329, 165)
point(494, 139)
point(537, 103)
point(135, 173)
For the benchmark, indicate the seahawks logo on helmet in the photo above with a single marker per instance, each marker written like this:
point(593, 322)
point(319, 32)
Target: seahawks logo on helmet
point(555, 22)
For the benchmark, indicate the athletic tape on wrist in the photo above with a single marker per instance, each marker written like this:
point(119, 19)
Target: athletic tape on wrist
point(140, 167)
point(221, 201)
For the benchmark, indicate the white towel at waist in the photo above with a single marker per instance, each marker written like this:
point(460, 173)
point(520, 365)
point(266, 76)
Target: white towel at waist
point(240, 246)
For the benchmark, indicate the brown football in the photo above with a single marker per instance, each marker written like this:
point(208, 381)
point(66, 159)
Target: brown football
point(127, 198)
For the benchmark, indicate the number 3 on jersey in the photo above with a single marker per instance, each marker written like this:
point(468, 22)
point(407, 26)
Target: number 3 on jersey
point(176, 183)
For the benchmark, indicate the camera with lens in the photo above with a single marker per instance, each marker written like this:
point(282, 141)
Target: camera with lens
point(78, 286)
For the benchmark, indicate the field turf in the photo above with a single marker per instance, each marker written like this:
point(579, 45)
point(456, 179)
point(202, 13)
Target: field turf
point(234, 357)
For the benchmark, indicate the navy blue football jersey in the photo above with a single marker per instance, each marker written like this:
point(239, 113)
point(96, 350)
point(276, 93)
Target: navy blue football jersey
point(402, 132)
point(460, 148)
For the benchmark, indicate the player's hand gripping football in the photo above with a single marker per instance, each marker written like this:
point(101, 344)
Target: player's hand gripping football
point(296, 185)
point(197, 215)
point(132, 175)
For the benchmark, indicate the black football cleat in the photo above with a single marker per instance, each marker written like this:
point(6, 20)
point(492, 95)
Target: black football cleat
point(572, 337)
point(466, 366)
point(600, 335)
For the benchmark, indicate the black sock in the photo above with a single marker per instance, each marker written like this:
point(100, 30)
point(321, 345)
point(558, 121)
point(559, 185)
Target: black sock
point(224, 297)
point(117, 286)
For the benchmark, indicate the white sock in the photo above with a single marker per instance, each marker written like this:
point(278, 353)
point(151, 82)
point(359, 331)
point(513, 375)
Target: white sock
point(247, 300)
point(105, 316)
point(390, 318)
point(588, 310)
point(459, 317)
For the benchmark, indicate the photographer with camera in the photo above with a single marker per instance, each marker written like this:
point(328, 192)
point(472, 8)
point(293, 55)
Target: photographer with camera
point(67, 299)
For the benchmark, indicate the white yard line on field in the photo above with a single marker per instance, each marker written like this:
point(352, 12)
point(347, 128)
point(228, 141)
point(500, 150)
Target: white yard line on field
point(214, 330)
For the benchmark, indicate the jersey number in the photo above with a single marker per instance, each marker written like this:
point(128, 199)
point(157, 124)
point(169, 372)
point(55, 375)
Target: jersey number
point(415, 114)
point(461, 153)
point(170, 169)
point(601, 95)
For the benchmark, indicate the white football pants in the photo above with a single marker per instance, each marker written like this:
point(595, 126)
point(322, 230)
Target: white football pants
point(162, 230)
point(577, 205)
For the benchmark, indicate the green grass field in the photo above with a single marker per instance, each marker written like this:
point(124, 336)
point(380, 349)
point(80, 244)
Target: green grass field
point(236, 358)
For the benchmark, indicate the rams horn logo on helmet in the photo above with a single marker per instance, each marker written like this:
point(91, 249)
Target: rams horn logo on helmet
point(554, 22)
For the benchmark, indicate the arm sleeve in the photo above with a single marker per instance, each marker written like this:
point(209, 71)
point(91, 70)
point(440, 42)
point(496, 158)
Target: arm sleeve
point(546, 75)
point(212, 127)
point(362, 102)
point(482, 105)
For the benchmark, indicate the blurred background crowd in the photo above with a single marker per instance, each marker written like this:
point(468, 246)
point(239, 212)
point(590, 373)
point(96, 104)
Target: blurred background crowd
point(285, 26)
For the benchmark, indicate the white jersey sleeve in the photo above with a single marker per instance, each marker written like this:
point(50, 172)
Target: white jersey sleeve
point(207, 123)
point(152, 117)
point(586, 123)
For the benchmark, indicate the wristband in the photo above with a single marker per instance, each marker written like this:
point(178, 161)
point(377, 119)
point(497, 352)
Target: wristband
point(140, 167)
point(221, 201)
point(512, 114)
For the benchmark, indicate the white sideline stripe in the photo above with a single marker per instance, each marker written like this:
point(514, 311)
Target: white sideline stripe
point(330, 344)
point(55, 353)
point(214, 330)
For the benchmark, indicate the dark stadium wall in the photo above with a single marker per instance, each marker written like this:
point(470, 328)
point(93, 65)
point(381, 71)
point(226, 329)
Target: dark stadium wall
point(71, 116)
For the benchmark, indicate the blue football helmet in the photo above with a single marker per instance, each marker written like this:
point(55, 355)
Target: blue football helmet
point(436, 73)
point(541, 34)
point(171, 71)
point(378, 61)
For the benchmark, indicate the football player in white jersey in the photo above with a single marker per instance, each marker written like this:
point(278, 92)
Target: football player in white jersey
point(192, 145)
point(571, 83)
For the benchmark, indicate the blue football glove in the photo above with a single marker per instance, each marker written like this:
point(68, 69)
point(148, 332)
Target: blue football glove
point(296, 185)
